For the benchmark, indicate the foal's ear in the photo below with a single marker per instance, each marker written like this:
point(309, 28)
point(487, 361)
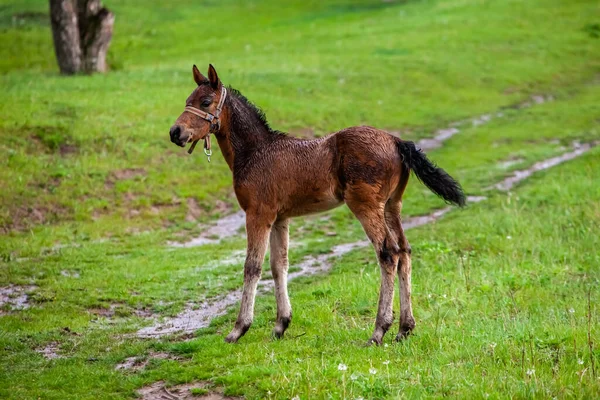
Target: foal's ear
point(198, 77)
point(213, 77)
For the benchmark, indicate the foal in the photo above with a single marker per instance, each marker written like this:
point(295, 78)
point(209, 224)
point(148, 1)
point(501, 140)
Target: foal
point(277, 177)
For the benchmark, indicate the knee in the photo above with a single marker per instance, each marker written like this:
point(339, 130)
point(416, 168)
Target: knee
point(389, 252)
point(405, 247)
point(252, 269)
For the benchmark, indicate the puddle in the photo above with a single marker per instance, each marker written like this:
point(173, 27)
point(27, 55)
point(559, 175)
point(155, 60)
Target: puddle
point(186, 391)
point(520, 175)
point(15, 297)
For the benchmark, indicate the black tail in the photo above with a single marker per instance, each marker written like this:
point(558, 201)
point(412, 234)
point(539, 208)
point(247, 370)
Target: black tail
point(435, 178)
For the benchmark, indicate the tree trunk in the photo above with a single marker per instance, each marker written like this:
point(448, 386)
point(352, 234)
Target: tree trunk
point(95, 27)
point(66, 36)
point(90, 30)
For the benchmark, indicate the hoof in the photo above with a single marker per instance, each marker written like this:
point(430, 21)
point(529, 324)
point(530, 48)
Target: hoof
point(374, 341)
point(277, 334)
point(237, 333)
point(280, 327)
point(231, 338)
point(403, 334)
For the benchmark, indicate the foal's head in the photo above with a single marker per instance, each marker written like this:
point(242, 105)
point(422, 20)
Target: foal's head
point(190, 127)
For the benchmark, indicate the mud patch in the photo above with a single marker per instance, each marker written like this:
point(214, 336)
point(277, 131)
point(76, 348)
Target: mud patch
point(194, 211)
point(193, 317)
point(123, 174)
point(520, 175)
point(186, 391)
point(138, 363)
point(15, 297)
point(128, 173)
point(50, 351)
point(223, 228)
point(51, 139)
point(23, 217)
point(116, 310)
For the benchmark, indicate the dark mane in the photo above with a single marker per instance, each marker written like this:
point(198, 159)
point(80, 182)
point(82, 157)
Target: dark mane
point(257, 111)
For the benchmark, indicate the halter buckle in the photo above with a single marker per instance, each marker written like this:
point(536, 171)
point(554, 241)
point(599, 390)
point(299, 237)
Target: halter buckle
point(207, 149)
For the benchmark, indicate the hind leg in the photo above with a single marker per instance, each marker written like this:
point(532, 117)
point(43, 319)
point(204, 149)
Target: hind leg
point(407, 320)
point(371, 216)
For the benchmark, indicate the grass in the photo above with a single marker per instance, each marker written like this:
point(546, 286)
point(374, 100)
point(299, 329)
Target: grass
point(92, 191)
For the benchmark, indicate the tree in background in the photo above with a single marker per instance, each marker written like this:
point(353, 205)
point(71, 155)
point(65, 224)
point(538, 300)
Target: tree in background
point(82, 30)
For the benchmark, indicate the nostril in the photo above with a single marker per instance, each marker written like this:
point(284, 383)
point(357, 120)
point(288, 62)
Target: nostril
point(175, 131)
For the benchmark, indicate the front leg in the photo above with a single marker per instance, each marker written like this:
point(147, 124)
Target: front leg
point(279, 269)
point(257, 229)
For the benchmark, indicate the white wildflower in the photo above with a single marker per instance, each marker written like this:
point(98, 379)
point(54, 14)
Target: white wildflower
point(493, 345)
point(342, 367)
point(360, 398)
point(509, 237)
point(429, 296)
point(353, 377)
point(372, 371)
point(386, 362)
point(571, 311)
point(444, 296)
point(530, 372)
point(580, 361)
point(386, 345)
point(296, 398)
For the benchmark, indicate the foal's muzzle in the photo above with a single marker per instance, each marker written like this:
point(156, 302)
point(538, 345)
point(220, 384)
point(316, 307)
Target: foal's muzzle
point(176, 134)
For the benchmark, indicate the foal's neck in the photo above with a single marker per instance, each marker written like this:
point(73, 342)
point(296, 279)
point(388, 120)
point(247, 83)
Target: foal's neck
point(244, 130)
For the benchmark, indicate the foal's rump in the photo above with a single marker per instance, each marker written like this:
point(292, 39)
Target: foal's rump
point(372, 158)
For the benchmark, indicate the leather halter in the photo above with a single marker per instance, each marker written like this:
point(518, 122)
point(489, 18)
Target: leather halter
point(215, 122)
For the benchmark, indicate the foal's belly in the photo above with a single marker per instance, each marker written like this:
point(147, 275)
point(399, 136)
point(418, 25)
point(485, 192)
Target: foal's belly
point(309, 202)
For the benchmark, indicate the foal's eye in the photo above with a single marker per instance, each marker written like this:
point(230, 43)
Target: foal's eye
point(206, 103)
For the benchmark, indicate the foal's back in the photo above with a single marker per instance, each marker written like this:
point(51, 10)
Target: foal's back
point(306, 176)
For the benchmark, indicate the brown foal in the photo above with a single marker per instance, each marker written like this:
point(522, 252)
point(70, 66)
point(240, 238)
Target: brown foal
point(277, 177)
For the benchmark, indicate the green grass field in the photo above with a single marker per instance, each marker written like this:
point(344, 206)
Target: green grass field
point(505, 292)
